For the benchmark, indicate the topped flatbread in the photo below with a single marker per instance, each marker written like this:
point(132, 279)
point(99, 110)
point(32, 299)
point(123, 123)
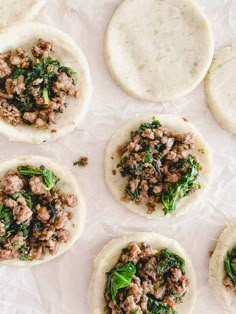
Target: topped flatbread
point(142, 272)
point(13, 11)
point(42, 211)
point(222, 268)
point(158, 50)
point(45, 84)
point(157, 165)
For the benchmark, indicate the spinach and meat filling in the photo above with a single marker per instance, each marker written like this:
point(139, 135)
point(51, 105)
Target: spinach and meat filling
point(158, 166)
point(230, 269)
point(146, 281)
point(34, 214)
point(34, 90)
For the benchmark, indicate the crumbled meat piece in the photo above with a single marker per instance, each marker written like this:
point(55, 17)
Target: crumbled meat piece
point(61, 221)
point(37, 253)
point(42, 213)
point(63, 83)
point(30, 116)
point(63, 234)
point(176, 274)
point(5, 70)
point(40, 123)
point(69, 200)
point(42, 48)
point(15, 86)
point(20, 58)
point(82, 162)
point(53, 246)
point(11, 183)
point(37, 185)
point(2, 229)
point(170, 301)
point(9, 112)
point(22, 213)
point(228, 283)
point(46, 233)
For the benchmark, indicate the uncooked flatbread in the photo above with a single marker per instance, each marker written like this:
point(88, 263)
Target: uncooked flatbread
point(69, 185)
point(109, 256)
point(158, 50)
point(116, 183)
point(226, 241)
point(69, 54)
point(220, 87)
point(13, 11)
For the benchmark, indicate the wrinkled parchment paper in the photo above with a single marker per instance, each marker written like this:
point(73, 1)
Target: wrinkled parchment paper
point(60, 287)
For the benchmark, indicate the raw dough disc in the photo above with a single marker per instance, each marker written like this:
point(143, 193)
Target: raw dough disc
point(158, 50)
point(13, 11)
point(109, 255)
point(221, 88)
point(116, 183)
point(226, 241)
point(69, 54)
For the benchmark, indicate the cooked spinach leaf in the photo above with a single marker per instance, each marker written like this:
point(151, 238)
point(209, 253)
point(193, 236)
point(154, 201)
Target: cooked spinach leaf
point(24, 255)
point(119, 278)
point(49, 178)
point(144, 126)
point(157, 307)
point(167, 260)
point(230, 265)
point(181, 188)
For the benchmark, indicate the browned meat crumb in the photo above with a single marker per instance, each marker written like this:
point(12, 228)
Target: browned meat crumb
point(42, 48)
point(11, 183)
point(228, 283)
point(82, 162)
point(114, 172)
point(37, 185)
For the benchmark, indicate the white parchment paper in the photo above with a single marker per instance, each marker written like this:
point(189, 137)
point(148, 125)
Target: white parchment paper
point(61, 286)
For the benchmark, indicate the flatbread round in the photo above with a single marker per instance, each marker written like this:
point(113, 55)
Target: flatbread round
point(226, 241)
point(220, 85)
point(116, 183)
point(109, 256)
point(13, 11)
point(69, 54)
point(68, 184)
point(158, 50)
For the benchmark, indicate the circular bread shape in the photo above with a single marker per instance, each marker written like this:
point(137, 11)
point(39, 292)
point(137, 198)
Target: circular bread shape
point(158, 50)
point(220, 86)
point(116, 183)
point(109, 255)
point(13, 11)
point(226, 241)
point(69, 54)
point(68, 184)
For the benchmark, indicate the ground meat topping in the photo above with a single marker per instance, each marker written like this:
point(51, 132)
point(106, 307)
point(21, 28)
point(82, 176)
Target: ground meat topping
point(146, 280)
point(159, 167)
point(34, 214)
point(34, 90)
point(230, 269)
point(82, 162)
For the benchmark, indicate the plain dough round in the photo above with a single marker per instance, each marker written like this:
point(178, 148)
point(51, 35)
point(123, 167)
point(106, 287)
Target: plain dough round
point(158, 50)
point(13, 11)
point(69, 54)
point(220, 88)
point(109, 256)
point(116, 183)
point(226, 241)
point(69, 185)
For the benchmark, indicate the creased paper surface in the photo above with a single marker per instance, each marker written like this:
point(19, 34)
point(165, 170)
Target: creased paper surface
point(61, 286)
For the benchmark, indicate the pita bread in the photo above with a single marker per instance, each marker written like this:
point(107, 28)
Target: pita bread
point(14, 11)
point(109, 256)
point(220, 85)
point(158, 50)
point(69, 185)
point(116, 183)
point(226, 241)
point(69, 54)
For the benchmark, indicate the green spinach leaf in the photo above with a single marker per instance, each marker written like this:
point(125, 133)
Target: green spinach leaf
point(118, 278)
point(167, 260)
